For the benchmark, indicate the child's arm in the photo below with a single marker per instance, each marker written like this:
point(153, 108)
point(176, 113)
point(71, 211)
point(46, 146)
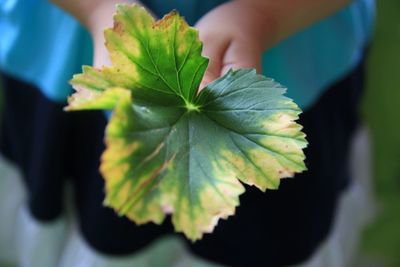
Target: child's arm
point(236, 33)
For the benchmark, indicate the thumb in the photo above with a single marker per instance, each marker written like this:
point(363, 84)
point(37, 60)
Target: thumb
point(240, 55)
point(214, 49)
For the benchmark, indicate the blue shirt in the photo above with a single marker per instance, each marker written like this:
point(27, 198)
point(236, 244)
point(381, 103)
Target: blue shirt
point(43, 45)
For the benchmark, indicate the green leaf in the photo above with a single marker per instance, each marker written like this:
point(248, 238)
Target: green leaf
point(173, 151)
point(156, 60)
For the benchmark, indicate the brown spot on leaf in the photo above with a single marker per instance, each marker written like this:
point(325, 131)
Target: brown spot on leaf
point(166, 21)
point(118, 28)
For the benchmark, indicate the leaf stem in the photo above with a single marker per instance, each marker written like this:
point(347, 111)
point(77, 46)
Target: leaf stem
point(191, 106)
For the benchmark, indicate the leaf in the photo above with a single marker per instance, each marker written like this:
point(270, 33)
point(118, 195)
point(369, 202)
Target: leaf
point(171, 150)
point(160, 60)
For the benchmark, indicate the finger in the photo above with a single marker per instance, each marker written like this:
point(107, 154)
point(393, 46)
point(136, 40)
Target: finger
point(101, 56)
point(241, 55)
point(213, 49)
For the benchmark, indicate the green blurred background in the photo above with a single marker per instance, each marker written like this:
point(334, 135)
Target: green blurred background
point(381, 240)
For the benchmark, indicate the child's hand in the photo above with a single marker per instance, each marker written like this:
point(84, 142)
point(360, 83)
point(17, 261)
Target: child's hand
point(95, 15)
point(98, 20)
point(234, 35)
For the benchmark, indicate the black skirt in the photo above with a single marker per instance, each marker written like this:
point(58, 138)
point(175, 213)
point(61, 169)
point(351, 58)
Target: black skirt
point(275, 228)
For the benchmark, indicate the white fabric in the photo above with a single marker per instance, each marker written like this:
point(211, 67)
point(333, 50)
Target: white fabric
point(41, 244)
point(12, 195)
point(24, 241)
